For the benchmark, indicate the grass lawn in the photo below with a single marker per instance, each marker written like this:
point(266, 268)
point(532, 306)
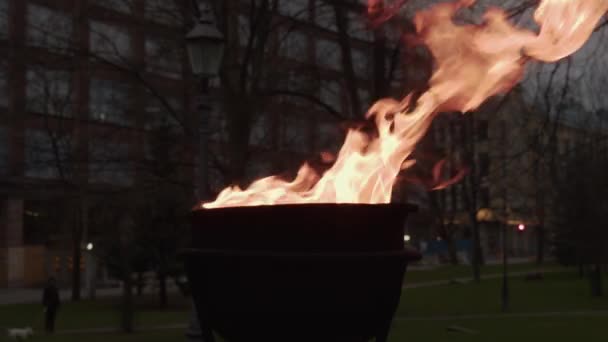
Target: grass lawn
point(426, 313)
point(102, 313)
point(423, 315)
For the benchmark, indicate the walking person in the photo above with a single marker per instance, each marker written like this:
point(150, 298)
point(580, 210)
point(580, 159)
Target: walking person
point(51, 303)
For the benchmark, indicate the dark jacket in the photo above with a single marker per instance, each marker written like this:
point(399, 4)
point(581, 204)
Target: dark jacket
point(50, 298)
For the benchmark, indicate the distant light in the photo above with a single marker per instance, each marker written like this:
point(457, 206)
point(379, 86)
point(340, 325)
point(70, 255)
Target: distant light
point(521, 227)
point(89, 246)
point(406, 238)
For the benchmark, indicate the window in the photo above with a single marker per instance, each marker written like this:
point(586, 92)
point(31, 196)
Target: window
point(302, 82)
point(109, 163)
point(49, 92)
point(109, 42)
point(4, 148)
point(3, 85)
point(108, 102)
point(331, 94)
point(244, 30)
point(258, 167)
point(163, 57)
point(261, 131)
point(328, 54)
point(294, 8)
point(365, 97)
point(294, 44)
point(328, 136)
point(325, 16)
point(449, 196)
point(482, 130)
point(361, 63)
point(48, 28)
point(295, 135)
point(3, 19)
point(357, 26)
point(161, 115)
point(484, 197)
point(164, 11)
point(47, 154)
point(123, 6)
point(484, 165)
point(439, 133)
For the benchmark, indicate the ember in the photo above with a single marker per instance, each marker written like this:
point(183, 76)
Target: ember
point(473, 63)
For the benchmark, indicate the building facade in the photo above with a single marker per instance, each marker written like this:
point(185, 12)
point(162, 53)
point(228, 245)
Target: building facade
point(95, 96)
point(84, 86)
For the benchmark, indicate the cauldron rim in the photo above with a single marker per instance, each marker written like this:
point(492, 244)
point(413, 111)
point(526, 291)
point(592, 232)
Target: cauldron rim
point(411, 208)
point(408, 253)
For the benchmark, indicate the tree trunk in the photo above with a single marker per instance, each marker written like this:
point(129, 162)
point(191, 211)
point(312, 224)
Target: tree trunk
point(347, 61)
point(239, 131)
point(162, 290)
point(596, 281)
point(581, 270)
point(477, 252)
point(540, 244)
point(452, 249)
point(76, 256)
point(127, 303)
point(140, 283)
point(380, 85)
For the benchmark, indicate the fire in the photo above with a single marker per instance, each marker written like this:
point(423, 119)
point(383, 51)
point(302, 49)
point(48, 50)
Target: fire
point(473, 62)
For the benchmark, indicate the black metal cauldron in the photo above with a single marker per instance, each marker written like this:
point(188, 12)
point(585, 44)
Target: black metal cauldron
point(290, 273)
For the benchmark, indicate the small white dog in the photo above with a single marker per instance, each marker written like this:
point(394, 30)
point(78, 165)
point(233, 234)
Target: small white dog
point(20, 334)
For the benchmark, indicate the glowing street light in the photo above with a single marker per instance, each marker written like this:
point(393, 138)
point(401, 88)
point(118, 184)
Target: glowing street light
point(89, 246)
point(406, 238)
point(521, 227)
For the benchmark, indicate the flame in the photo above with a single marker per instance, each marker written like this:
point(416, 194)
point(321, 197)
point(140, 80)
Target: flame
point(473, 62)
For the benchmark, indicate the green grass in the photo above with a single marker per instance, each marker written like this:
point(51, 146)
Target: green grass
point(424, 313)
point(156, 336)
point(554, 329)
point(95, 314)
point(557, 292)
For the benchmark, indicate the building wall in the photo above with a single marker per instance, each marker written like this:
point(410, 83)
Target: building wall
point(59, 86)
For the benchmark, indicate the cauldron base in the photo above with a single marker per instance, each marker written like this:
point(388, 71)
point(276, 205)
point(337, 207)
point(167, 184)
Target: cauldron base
point(297, 297)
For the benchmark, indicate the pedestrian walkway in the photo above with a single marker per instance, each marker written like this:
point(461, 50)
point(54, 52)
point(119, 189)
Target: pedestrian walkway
point(28, 296)
point(110, 330)
point(465, 280)
point(506, 315)
point(24, 296)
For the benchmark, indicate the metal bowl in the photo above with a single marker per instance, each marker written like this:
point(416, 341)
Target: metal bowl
point(320, 272)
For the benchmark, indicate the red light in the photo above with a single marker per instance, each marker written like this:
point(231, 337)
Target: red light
point(521, 227)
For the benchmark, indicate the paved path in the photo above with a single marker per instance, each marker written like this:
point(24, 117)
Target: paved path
point(115, 330)
point(470, 279)
point(397, 319)
point(505, 315)
point(25, 296)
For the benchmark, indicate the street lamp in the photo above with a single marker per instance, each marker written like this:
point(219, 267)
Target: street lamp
point(205, 44)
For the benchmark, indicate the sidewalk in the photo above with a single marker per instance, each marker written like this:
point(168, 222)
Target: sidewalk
point(23, 296)
point(26, 296)
point(464, 280)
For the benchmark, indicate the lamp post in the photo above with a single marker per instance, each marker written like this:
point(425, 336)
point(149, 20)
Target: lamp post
point(504, 293)
point(205, 44)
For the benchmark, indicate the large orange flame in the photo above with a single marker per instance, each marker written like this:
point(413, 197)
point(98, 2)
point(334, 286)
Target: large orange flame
point(473, 62)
